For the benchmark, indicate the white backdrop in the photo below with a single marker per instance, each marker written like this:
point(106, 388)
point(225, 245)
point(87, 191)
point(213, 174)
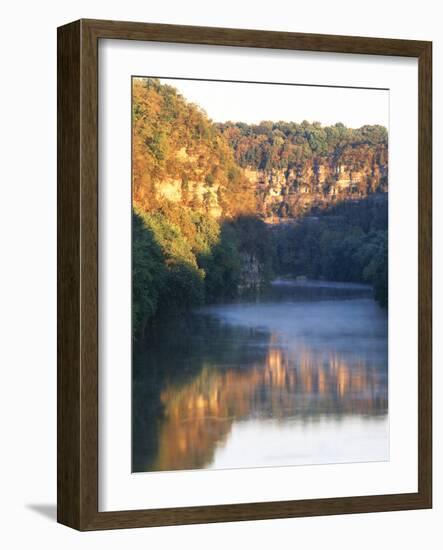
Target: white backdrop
point(28, 300)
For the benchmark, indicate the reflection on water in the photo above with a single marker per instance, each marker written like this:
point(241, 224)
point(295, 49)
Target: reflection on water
point(299, 377)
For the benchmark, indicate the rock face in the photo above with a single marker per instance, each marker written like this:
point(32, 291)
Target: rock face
point(198, 193)
point(298, 168)
point(296, 191)
point(303, 189)
point(280, 170)
point(319, 182)
point(180, 157)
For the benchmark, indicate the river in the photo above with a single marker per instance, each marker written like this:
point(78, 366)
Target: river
point(299, 376)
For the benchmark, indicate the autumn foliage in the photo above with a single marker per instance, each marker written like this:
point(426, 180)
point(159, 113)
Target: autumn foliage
point(198, 229)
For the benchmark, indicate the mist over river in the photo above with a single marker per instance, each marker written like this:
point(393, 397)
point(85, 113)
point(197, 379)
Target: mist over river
point(296, 376)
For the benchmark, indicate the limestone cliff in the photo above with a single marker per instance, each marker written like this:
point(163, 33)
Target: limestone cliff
point(320, 182)
point(279, 170)
point(297, 169)
point(180, 157)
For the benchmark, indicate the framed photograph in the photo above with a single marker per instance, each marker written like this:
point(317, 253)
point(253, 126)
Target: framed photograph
point(244, 274)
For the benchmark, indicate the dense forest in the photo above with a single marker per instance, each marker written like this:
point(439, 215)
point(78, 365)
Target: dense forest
point(285, 145)
point(300, 167)
point(348, 242)
point(203, 192)
point(179, 156)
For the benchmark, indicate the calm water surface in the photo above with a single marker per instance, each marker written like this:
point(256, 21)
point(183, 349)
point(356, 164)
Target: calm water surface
point(296, 377)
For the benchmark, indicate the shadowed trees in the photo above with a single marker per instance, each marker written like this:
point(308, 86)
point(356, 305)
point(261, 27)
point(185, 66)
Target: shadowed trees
point(189, 260)
point(348, 243)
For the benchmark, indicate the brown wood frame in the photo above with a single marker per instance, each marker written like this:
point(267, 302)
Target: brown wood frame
point(77, 452)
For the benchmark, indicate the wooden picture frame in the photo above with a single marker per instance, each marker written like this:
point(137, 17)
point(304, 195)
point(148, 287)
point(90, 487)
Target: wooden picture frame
point(78, 274)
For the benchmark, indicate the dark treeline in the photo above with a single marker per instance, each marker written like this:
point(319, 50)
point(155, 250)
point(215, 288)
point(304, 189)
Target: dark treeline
point(197, 261)
point(183, 258)
point(347, 242)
